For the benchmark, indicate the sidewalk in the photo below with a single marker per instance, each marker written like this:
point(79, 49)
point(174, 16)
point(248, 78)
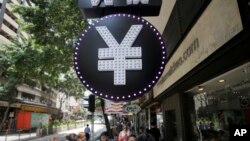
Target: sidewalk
point(17, 136)
point(32, 136)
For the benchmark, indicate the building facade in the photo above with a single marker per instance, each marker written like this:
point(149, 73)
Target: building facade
point(34, 104)
point(205, 83)
point(206, 79)
point(8, 24)
point(8, 20)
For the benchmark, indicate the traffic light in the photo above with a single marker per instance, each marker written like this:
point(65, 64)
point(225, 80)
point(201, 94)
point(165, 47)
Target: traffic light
point(91, 107)
point(85, 102)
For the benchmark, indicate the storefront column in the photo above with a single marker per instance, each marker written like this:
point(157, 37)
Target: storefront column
point(149, 118)
point(37, 99)
point(19, 95)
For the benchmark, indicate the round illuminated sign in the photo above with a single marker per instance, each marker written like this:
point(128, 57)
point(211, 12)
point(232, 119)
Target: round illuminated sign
point(120, 57)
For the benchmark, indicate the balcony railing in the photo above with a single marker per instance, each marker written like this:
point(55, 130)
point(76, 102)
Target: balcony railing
point(10, 21)
point(4, 40)
point(36, 92)
point(8, 30)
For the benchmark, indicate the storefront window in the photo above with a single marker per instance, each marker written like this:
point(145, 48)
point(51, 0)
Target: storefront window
point(159, 121)
point(221, 102)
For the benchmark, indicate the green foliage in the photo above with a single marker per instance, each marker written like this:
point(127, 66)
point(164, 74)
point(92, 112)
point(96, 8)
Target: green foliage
point(8, 91)
point(61, 123)
point(45, 57)
point(8, 57)
point(47, 53)
point(56, 122)
point(70, 85)
point(82, 111)
point(70, 122)
point(52, 26)
point(98, 102)
point(52, 22)
point(42, 58)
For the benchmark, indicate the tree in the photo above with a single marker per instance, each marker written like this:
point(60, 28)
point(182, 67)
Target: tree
point(69, 85)
point(52, 25)
point(42, 58)
point(11, 77)
point(8, 93)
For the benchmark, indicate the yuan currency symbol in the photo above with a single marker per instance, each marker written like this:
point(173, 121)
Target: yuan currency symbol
point(122, 56)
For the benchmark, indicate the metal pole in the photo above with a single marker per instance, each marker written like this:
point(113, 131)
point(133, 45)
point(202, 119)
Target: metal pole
point(19, 134)
point(6, 135)
point(134, 122)
point(92, 126)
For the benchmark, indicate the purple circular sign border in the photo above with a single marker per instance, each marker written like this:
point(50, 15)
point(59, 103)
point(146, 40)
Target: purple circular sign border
point(141, 91)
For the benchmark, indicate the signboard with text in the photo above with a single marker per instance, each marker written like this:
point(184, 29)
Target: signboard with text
point(133, 108)
point(114, 107)
point(202, 41)
point(39, 119)
point(100, 8)
point(120, 57)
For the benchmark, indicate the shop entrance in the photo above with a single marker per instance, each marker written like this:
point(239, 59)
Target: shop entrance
point(171, 130)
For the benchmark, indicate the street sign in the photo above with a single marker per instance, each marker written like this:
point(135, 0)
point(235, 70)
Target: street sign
point(133, 108)
point(120, 57)
point(114, 107)
point(85, 102)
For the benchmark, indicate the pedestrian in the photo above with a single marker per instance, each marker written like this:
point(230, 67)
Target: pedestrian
point(54, 139)
point(132, 138)
point(87, 132)
point(104, 136)
point(39, 131)
point(81, 136)
point(119, 127)
point(155, 132)
point(71, 137)
point(211, 134)
point(144, 136)
point(124, 134)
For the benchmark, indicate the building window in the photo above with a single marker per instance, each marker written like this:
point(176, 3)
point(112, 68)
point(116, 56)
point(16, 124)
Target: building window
point(223, 101)
point(28, 97)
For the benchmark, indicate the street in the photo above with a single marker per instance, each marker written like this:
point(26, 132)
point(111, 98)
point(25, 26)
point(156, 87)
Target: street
point(98, 129)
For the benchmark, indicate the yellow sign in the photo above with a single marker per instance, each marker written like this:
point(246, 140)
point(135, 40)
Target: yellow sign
point(34, 109)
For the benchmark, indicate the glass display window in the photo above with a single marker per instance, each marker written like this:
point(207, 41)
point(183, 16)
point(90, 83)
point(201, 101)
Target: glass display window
point(219, 103)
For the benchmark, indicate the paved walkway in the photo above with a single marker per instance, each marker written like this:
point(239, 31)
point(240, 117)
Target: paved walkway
point(98, 129)
point(17, 136)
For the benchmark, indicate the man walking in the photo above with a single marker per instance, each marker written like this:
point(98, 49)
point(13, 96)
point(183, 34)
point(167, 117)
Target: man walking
point(87, 132)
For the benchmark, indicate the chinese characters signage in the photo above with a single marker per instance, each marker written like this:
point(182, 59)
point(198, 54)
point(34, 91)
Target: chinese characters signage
point(100, 8)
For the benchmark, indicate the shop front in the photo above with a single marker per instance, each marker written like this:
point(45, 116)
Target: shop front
point(151, 113)
point(219, 103)
point(215, 49)
point(30, 117)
